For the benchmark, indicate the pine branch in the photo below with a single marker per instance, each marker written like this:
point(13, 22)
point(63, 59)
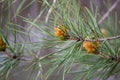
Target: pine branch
point(12, 56)
point(105, 39)
point(94, 40)
point(100, 40)
point(113, 58)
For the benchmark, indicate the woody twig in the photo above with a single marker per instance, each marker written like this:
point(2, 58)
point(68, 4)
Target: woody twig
point(94, 40)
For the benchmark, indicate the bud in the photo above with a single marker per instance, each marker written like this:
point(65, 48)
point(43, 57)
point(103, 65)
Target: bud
point(104, 32)
point(2, 45)
point(91, 47)
point(61, 32)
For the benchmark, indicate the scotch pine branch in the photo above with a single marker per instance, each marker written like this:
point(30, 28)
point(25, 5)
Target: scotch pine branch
point(113, 58)
point(94, 40)
point(108, 12)
point(105, 39)
point(12, 56)
point(100, 40)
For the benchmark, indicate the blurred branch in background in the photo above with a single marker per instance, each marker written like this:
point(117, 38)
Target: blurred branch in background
point(108, 12)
